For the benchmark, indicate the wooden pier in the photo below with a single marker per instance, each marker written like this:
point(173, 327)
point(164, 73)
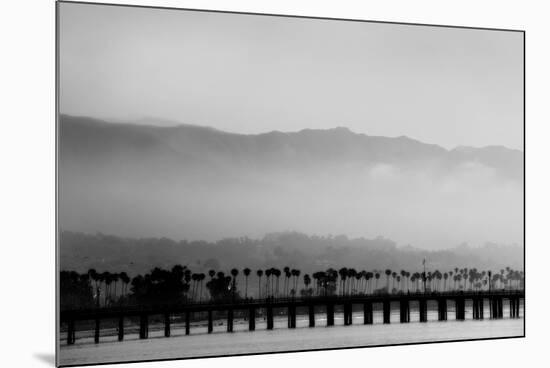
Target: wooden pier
point(495, 300)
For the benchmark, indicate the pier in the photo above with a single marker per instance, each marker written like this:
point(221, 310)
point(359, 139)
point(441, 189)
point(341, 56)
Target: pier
point(250, 307)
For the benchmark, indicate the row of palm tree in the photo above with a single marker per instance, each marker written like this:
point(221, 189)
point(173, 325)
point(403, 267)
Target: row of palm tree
point(108, 282)
point(343, 282)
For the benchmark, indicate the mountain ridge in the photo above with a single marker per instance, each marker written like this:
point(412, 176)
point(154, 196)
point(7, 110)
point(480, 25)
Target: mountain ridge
point(147, 122)
point(194, 182)
point(192, 145)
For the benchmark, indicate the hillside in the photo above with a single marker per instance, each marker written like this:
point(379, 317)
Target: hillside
point(191, 182)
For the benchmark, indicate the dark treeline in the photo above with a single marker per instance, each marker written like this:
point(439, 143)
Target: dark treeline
point(180, 284)
point(80, 252)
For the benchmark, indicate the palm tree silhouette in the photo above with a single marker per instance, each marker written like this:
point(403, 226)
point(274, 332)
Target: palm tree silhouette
point(234, 273)
point(115, 279)
point(388, 273)
point(307, 281)
point(107, 280)
point(369, 275)
point(246, 273)
point(316, 285)
point(203, 276)
point(268, 290)
point(125, 281)
point(194, 278)
point(260, 274)
point(343, 272)
point(351, 275)
point(277, 274)
point(286, 271)
point(295, 274)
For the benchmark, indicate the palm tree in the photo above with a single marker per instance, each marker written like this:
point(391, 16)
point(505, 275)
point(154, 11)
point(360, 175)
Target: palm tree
point(246, 273)
point(93, 275)
point(277, 274)
point(260, 274)
point(316, 285)
point(388, 273)
point(234, 273)
point(202, 277)
point(307, 281)
point(393, 276)
point(187, 278)
point(296, 275)
point(115, 279)
point(267, 282)
point(351, 273)
point(343, 272)
point(125, 281)
point(368, 276)
point(376, 277)
point(286, 270)
point(194, 278)
point(104, 279)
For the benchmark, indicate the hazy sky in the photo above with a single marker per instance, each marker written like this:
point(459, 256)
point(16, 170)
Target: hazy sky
point(252, 74)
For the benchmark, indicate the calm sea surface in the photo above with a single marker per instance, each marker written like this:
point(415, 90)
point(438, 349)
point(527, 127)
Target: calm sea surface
point(199, 343)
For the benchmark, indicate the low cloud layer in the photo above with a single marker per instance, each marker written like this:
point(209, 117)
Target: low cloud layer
point(427, 203)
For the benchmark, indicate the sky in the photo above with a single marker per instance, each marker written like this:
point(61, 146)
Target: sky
point(252, 74)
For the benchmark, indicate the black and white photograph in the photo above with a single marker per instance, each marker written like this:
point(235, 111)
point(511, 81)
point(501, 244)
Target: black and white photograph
point(234, 183)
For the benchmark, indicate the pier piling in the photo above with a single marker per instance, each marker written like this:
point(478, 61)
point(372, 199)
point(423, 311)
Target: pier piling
point(121, 328)
point(311, 312)
point(166, 325)
point(269, 317)
point(230, 320)
point(460, 306)
point(251, 319)
point(514, 307)
point(496, 308)
point(330, 314)
point(367, 313)
point(96, 331)
point(481, 307)
point(70, 332)
point(442, 309)
point(386, 310)
point(423, 310)
point(210, 322)
point(187, 322)
point(348, 314)
point(404, 311)
point(143, 326)
point(291, 316)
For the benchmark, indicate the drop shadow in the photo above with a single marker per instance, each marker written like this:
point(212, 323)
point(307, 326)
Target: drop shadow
point(46, 358)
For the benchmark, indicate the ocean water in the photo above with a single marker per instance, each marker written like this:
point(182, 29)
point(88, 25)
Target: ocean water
point(242, 341)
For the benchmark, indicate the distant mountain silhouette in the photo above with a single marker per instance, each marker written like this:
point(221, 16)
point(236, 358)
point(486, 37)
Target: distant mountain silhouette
point(192, 182)
point(93, 140)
